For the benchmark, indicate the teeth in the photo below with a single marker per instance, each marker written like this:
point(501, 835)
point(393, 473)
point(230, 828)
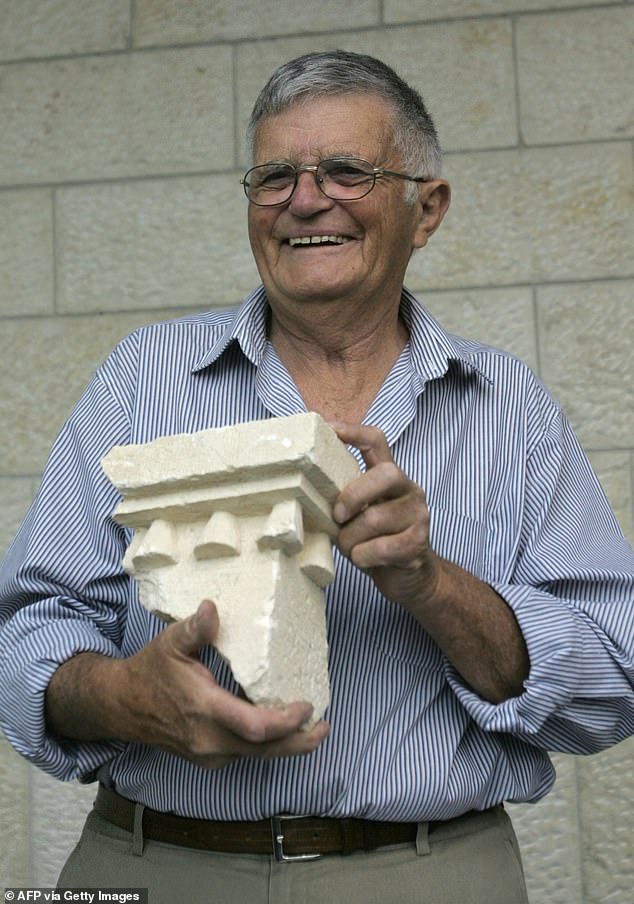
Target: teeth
point(317, 239)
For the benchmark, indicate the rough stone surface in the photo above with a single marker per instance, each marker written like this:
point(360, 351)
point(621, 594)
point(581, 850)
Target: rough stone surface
point(560, 50)
point(606, 806)
point(16, 494)
point(117, 245)
point(411, 11)
point(26, 252)
point(31, 28)
point(548, 833)
point(523, 218)
point(173, 22)
point(241, 515)
point(109, 116)
point(586, 340)
point(58, 811)
point(14, 824)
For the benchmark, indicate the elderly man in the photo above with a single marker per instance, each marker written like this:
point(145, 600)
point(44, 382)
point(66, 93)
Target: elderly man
point(481, 612)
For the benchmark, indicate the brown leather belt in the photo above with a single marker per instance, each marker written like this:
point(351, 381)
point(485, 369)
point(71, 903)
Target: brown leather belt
point(285, 837)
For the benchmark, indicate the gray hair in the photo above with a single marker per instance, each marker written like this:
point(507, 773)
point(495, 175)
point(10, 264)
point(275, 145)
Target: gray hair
point(343, 72)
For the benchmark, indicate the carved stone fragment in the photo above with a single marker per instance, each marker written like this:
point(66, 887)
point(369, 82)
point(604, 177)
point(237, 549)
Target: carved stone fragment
point(241, 515)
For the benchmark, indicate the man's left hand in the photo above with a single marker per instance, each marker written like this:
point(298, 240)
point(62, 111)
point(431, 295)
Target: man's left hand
point(384, 530)
point(385, 522)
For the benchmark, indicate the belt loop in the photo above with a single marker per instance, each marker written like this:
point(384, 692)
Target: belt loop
point(137, 833)
point(350, 840)
point(422, 839)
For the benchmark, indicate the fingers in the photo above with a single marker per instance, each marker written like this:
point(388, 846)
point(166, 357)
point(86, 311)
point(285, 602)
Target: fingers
point(273, 736)
point(376, 539)
point(379, 485)
point(370, 441)
point(234, 712)
point(235, 728)
point(299, 744)
point(382, 479)
point(384, 520)
point(209, 724)
point(383, 499)
point(193, 633)
point(257, 725)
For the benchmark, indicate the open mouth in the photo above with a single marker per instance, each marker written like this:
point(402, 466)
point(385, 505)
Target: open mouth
point(317, 240)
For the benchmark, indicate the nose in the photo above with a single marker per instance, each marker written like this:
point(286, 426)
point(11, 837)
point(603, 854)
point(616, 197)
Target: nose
point(308, 199)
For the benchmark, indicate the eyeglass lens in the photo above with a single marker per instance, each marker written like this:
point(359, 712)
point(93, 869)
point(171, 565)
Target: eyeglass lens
point(342, 179)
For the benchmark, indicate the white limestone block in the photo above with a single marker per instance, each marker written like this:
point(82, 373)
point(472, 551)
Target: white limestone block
point(174, 22)
point(194, 237)
point(115, 116)
point(241, 515)
point(587, 55)
point(27, 270)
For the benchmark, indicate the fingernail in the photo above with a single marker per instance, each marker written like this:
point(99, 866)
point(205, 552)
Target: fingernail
point(339, 512)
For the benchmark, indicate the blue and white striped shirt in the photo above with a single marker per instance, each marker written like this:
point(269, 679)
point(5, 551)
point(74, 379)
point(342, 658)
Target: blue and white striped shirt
point(511, 498)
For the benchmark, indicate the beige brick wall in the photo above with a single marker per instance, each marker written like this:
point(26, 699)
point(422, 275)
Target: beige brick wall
point(120, 153)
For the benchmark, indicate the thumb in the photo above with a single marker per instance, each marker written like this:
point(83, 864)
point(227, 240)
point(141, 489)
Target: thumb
point(198, 630)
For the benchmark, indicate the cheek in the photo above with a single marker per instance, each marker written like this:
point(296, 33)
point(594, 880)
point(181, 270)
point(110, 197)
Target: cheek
point(254, 227)
point(259, 236)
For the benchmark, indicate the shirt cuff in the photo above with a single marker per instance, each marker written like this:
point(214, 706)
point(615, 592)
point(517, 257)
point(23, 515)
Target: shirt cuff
point(24, 677)
point(561, 670)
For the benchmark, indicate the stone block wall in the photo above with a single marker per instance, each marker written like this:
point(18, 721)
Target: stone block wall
point(121, 127)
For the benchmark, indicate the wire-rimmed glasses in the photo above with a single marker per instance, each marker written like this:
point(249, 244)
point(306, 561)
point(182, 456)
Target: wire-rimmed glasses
point(339, 178)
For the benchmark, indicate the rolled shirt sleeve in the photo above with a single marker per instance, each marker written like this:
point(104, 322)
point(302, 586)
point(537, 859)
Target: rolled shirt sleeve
point(571, 591)
point(62, 590)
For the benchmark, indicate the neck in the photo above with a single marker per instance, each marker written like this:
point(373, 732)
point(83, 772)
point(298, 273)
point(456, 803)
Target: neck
point(337, 360)
point(336, 330)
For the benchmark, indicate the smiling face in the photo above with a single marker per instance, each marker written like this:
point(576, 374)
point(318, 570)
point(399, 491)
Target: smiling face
point(314, 249)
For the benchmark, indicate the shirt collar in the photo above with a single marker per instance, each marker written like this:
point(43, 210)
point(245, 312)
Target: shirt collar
point(247, 327)
point(432, 349)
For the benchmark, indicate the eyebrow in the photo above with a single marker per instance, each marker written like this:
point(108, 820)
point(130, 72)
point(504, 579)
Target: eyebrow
point(325, 156)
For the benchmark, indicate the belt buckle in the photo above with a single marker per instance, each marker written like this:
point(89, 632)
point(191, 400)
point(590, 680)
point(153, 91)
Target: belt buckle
point(277, 829)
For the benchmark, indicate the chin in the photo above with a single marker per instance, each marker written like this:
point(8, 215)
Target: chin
point(316, 294)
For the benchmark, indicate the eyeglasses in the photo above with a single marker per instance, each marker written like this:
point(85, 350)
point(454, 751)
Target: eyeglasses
point(339, 178)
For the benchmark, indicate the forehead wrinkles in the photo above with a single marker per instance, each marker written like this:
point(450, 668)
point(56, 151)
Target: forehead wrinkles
point(330, 126)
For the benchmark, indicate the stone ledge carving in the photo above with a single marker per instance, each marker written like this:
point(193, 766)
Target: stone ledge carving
point(241, 515)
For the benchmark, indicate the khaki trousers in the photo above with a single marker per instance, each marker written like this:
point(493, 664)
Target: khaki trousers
point(472, 860)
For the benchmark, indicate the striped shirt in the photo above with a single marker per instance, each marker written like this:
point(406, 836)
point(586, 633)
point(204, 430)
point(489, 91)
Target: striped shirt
point(511, 498)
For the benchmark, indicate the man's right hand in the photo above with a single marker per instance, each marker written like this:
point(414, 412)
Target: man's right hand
point(165, 697)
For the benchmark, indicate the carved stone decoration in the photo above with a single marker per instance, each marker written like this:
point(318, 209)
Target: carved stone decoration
point(241, 515)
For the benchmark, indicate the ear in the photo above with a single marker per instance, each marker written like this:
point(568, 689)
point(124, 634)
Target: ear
point(433, 204)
